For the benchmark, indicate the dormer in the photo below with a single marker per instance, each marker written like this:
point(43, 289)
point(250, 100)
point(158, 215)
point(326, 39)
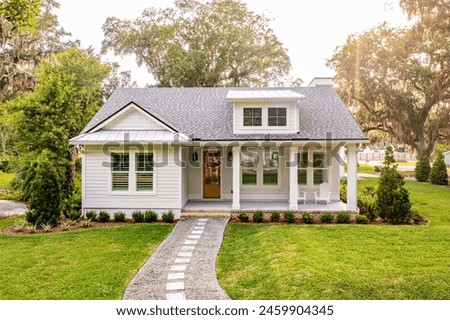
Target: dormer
point(265, 111)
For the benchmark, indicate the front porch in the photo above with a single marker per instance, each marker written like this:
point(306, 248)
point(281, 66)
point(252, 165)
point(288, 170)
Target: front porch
point(227, 206)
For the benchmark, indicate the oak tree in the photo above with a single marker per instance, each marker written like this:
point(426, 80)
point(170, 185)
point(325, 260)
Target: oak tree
point(399, 78)
point(205, 44)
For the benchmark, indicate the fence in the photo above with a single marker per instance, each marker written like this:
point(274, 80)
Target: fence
point(379, 156)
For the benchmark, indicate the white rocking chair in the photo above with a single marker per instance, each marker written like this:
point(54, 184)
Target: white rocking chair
point(302, 196)
point(324, 193)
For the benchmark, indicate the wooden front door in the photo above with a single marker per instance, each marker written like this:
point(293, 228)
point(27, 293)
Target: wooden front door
point(211, 174)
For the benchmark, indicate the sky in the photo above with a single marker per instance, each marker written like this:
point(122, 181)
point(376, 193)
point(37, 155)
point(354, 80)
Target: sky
point(309, 29)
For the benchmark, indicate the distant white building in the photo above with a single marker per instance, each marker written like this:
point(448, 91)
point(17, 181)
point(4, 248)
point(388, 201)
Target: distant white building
point(447, 158)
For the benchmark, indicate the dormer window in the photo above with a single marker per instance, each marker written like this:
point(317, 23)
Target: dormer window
point(277, 117)
point(252, 117)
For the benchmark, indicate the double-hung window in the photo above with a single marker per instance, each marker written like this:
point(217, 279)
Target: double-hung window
point(276, 117)
point(144, 172)
point(252, 117)
point(250, 160)
point(270, 171)
point(120, 171)
point(320, 171)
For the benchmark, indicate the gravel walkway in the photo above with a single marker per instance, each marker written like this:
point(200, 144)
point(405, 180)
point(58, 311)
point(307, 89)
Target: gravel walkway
point(183, 266)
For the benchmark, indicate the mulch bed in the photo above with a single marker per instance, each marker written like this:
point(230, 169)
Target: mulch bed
point(77, 226)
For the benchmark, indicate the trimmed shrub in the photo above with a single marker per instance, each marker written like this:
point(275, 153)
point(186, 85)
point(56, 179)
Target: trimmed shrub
point(103, 216)
point(307, 218)
point(243, 217)
point(168, 216)
point(258, 216)
point(362, 219)
point(438, 174)
point(119, 216)
point(70, 205)
point(343, 190)
point(46, 192)
point(138, 216)
point(150, 216)
point(367, 203)
point(74, 215)
point(91, 215)
point(392, 203)
point(326, 218)
point(275, 216)
point(416, 217)
point(289, 217)
point(343, 217)
point(423, 169)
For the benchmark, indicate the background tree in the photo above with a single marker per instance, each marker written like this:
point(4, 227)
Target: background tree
point(399, 78)
point(21, 51)
point(67, 95)
point(116, 79)
point(206, 44)
point(438, 174)
point(392, 201)
point(21, 14)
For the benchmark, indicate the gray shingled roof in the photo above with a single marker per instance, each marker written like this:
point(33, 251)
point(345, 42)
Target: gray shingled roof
point(204, 114)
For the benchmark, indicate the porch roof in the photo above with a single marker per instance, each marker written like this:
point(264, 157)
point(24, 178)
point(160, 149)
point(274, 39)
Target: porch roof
point(127, 136)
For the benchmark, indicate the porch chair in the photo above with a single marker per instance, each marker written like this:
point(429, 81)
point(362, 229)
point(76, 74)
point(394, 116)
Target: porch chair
point(302, 196)
point(324, 193)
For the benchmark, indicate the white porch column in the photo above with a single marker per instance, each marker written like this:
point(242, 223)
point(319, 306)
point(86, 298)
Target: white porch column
point(293, 183)
point(352, 178)
point(236, 178)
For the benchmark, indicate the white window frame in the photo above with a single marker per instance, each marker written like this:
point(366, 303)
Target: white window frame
point(310, 168)
point(132, 183)
point(260, 170)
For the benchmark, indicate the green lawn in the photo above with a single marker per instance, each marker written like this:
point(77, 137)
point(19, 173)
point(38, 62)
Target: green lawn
point(86, 264)
point(343, 261)
point(6, 191)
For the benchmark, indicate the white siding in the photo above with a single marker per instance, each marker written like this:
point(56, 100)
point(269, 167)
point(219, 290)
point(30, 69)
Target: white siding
point(447, 159)
point(134, 119)
point(292, 117)
point(184, 177)
point(98, 194)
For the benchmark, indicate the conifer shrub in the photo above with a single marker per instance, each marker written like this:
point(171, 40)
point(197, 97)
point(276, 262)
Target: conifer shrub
point(46, 192)
point(423, 169)
point(392, 203)
point(438, 174)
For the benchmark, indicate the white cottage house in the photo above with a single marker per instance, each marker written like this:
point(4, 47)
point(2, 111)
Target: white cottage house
point(217, 149)
point(447, 158)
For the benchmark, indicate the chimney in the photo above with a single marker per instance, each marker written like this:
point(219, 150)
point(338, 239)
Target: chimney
point(321, 81)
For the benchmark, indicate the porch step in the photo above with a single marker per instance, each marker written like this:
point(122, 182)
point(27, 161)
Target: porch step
point(195, 214)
